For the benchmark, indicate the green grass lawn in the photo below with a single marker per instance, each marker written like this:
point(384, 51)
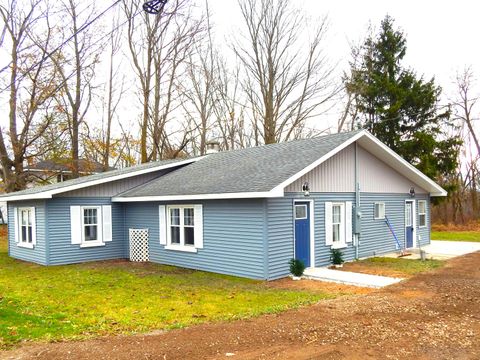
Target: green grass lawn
point(456, 235)
point(88, 300)
point(393, 266)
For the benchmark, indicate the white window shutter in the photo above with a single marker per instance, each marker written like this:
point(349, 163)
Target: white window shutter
point(75, 225)
point(34, 227)
point(162, 223)
point(328, 224)
point(16, 225)
point(198, 221)
point(107, 222)
point(348, 221)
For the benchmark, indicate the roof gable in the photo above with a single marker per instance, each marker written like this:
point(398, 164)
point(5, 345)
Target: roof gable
point(47, 191)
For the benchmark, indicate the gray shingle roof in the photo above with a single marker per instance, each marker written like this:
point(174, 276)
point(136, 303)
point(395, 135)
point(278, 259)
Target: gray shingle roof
point(256, 169)
point(89, 178)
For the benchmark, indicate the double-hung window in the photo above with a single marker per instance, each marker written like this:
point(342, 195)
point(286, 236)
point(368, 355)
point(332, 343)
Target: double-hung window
point(25, 222)
point(338, 224)
point(183, 228)
point(91, 225)
point(422, 213)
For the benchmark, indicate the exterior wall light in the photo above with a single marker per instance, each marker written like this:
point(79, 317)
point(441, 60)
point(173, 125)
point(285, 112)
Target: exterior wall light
point(412, 192)
point(306, 188)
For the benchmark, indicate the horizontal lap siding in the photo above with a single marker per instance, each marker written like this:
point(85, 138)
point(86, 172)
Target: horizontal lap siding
point(423, 232)
point(233, 235)
point(322, 251)
point(38, 254)
point(281, 234)
point(61, 251)
point(376, 237)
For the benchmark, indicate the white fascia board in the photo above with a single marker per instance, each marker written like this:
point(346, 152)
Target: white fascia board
point(48, 194)
point(319, 161)
point(439, 191)
point(243, 195)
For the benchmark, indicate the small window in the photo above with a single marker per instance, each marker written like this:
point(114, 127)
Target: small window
point(91, 220)
point(26, 226)
point(422, 213)
point(379, 212)
point(300, 212)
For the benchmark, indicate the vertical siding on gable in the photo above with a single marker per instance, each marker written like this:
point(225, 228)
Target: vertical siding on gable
point(375, 176)
point(113, 188)
point(336, 174)
point(233, 236)
point(38, 254)
point(376, 237)
point(61, 251)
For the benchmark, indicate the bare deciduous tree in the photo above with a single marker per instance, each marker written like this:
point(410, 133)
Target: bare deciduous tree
point(287, 76)
point(159, 46)
point(31, 85)
point(76, 63)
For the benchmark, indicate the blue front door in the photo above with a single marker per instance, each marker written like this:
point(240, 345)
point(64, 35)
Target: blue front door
point(302, 232)
point(409, 223)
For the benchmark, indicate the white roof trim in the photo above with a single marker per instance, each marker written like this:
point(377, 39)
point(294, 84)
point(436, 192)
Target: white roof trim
point(49, 193)
point(242, 195)
point(437, 189)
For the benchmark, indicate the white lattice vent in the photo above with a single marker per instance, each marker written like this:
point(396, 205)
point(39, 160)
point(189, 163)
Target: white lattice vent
point(138, 244)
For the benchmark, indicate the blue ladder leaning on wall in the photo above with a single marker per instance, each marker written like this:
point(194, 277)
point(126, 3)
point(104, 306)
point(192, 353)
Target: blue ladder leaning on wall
point(402, 249)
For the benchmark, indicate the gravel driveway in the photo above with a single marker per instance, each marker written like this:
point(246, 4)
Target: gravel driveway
point(433, 315)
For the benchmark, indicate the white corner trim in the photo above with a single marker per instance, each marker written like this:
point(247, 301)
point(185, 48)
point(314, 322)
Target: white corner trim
point(49, 193)
point(313, 165)
point(190, 249)
point(242, 195)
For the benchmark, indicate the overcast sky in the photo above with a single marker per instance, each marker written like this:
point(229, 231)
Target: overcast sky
point(442, 36)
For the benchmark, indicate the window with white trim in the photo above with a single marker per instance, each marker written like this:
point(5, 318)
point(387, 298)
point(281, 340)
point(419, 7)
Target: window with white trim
point(26, 226)
point(422, 213)
point(338, 224)
point(91, 220)
point(90, 225)
point(183, 227)
point(338, 236)
point(379, 211)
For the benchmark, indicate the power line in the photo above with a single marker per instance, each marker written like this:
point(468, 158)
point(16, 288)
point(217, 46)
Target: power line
point(49, 54)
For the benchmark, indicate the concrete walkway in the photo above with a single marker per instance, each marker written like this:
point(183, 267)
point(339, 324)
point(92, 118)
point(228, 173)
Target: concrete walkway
point(349, 278)
point(442, 250)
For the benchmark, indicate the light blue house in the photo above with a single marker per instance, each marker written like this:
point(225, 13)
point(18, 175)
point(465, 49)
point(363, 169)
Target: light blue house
point(244, 212)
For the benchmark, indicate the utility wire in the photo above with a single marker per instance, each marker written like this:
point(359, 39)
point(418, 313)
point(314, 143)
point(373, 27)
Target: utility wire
point(49, 54)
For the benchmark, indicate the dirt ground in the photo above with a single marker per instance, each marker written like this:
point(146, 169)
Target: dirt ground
point(433, 315)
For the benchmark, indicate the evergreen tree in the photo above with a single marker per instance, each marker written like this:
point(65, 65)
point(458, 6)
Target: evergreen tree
point(399, 108)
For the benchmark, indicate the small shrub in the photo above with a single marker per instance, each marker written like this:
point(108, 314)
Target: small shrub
point(337, 257)
point(297, 267)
